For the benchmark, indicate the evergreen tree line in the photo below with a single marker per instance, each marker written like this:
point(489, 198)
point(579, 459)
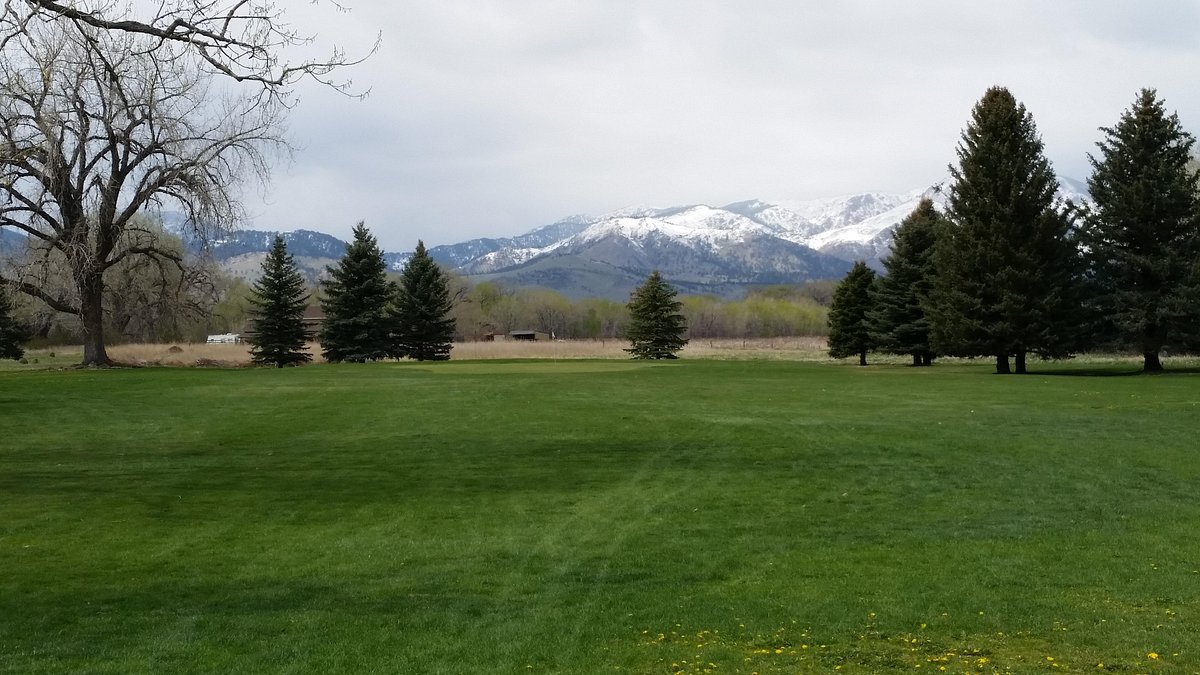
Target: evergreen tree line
point(1008, 271)
point(368, 317)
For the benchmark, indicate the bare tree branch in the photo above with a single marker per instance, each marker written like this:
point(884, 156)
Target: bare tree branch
point(57, 303)
point(248, 42)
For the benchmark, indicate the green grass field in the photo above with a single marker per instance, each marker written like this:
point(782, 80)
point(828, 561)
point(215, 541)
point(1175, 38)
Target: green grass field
point(599, 516)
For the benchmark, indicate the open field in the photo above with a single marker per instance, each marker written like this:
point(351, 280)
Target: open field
point(774, 349)
point(596, 516)
point(189, 354)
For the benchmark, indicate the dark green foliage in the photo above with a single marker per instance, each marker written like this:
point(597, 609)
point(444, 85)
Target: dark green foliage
point(424, 328)
point(1008, 278)
point(357, 293)
point(12, 334)
point(278, 302)
point(656, 327)
point(897, 319)
point(1144, 232)
point(849, 332)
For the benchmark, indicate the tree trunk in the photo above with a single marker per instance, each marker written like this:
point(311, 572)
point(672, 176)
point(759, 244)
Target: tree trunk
point(1002, 364)
point(927, 359)
point(862, 358)
point(1020, 361)
point(91, 306)
point(1152, 362)
point(916, 359)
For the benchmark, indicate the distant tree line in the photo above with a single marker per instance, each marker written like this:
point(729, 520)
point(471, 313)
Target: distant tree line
point(145, 298)
point(1008, 271)
point(771, 311)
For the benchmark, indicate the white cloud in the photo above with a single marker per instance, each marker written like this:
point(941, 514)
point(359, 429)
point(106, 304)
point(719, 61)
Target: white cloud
point(489, 117)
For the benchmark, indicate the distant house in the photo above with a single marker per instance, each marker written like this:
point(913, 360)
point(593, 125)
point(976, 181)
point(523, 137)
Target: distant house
point(517, 336)
point(313, 319)
point(224, 339)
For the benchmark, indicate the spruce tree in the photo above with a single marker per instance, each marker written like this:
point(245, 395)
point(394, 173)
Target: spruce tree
point(357, 293)
point(12, 333)
point(849, 331)
point(656, 327)
point(278, 300)
point(1008, 279)
point(897, 320)
point(424, 329)
point(1143, 233)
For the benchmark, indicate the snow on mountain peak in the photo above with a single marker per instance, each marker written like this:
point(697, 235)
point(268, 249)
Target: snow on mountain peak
point(851, 226)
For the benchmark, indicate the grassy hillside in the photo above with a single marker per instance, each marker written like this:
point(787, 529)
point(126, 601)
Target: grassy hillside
point(598, 516)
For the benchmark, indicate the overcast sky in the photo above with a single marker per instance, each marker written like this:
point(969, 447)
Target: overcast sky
point(490, 118)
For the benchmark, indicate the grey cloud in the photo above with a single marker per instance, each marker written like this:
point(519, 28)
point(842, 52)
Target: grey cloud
point(491, 117)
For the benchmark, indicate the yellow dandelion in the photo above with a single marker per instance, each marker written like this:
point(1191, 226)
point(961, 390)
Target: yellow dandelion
point(1152, 656)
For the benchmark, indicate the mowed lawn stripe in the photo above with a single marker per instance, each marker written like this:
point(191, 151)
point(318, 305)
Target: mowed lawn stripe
point(561, 517)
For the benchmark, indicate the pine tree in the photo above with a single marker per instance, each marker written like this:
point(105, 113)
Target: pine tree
point(278, 300)
point(656, 327)
point(1008, 279)
point(1144, 231)
point(897, 320)
point(12, 334)
point(424, 328)
point(849, 332)
point(357, 293)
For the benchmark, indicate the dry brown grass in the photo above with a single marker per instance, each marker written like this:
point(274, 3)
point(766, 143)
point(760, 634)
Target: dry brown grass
point(187, 354)
point(781, 349)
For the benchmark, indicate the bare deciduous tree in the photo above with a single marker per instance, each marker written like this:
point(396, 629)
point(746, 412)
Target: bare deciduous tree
point(97, 127)
point(247, 41)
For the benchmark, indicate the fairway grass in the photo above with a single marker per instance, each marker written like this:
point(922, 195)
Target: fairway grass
point(599, 516)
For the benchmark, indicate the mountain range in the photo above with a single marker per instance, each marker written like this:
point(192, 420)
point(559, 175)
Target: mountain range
point(700, 249)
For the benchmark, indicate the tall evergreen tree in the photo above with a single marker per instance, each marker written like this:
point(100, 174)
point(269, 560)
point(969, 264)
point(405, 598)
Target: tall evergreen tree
point(278, 300)
point(656, 327)
point(424, 329)
point(1143, 233)
point(1008, 279)
point(897, 319)
point(12, 333)
point(849, 330)
point(357, 293)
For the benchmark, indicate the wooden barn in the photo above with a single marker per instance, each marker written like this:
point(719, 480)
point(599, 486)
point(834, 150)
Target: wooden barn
point(517, 336)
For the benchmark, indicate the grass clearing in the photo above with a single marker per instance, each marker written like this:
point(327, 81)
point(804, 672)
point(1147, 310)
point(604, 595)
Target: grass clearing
point(234, 355)
point(599, 516)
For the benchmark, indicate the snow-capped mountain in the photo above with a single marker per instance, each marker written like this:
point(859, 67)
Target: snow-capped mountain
point(699, 248)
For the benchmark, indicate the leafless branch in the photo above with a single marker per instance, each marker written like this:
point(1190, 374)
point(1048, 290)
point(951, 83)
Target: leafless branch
point(247, 42)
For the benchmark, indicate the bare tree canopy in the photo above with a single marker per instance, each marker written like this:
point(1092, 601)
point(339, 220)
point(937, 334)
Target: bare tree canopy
point(98, 126)
point(243, 40)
